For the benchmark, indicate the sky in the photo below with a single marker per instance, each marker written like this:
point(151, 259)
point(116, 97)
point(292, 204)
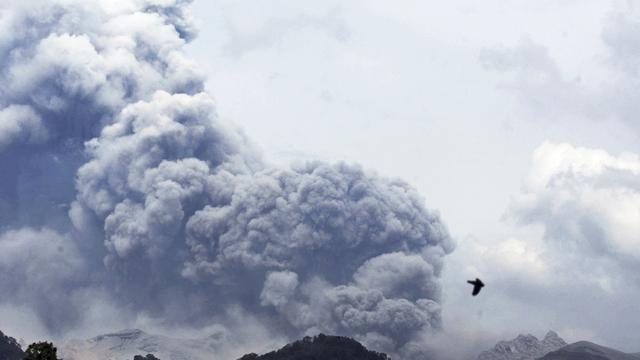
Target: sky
point(288, 168)
point(478, 106)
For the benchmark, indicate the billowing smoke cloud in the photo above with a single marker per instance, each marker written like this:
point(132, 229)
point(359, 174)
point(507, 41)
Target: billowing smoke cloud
point(117, 176)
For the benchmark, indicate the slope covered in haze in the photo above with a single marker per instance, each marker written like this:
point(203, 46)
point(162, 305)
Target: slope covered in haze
point(128, 343)
point(125, 344)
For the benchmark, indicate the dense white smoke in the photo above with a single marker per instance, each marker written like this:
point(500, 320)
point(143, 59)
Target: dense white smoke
point(118, 178)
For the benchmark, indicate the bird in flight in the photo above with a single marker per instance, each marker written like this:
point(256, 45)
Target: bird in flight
point(477, 285)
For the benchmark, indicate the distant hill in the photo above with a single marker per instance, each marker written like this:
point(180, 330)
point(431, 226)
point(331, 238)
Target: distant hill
point(322, 347)
point(524, 347)
point(584, 350)
point(10, 349)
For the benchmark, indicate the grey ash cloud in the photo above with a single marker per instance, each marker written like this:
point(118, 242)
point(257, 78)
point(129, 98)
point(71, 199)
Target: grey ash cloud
point(119, 179)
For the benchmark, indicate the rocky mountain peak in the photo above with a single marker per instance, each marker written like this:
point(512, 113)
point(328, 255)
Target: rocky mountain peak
point(552, 339)
point(523, 347)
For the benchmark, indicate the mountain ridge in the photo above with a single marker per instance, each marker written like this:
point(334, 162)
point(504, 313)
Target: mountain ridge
point(585, 350)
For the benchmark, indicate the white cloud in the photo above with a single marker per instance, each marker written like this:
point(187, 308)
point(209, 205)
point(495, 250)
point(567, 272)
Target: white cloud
point(586, 199)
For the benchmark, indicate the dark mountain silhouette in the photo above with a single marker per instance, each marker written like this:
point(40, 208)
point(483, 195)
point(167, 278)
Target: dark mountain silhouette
point(10, 349)
point(321, 347)
point(584, 350)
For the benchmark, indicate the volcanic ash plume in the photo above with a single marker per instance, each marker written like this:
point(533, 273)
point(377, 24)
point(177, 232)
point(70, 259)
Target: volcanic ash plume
point(119, 181)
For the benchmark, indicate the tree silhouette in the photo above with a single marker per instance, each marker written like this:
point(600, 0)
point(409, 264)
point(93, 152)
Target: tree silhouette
point(321, 347)
point(10, 349)
point(41, 351)
point(148, 357)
